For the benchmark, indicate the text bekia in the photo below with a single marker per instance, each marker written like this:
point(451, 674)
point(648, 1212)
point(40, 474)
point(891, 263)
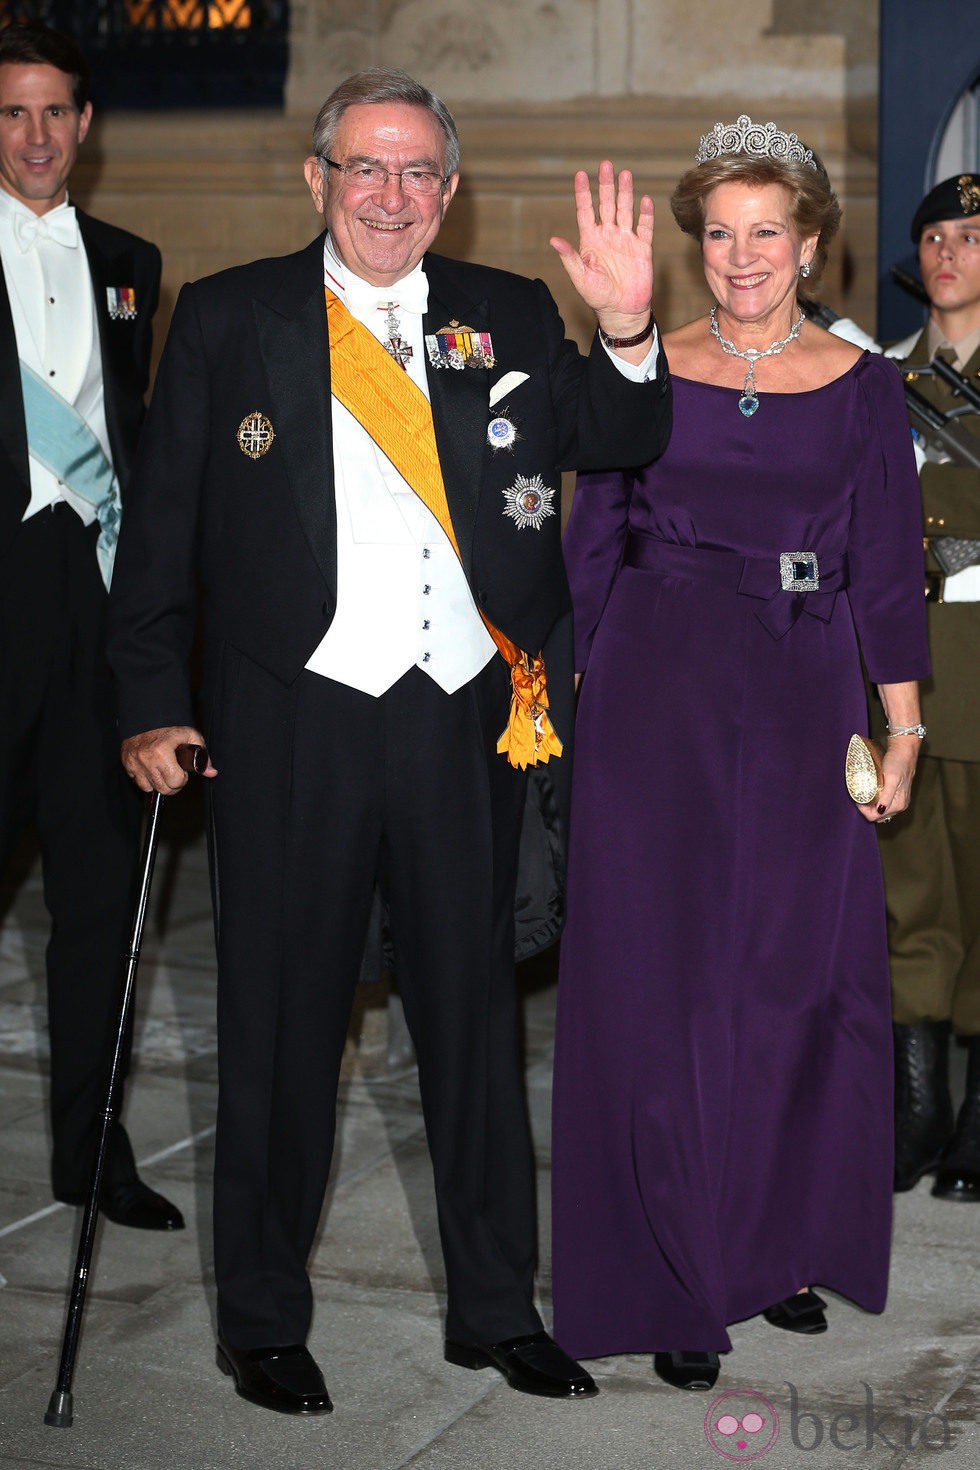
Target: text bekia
point(862, 1427)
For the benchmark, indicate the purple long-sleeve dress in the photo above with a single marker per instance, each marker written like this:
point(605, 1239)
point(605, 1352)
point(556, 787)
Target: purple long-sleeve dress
point(723, 1083)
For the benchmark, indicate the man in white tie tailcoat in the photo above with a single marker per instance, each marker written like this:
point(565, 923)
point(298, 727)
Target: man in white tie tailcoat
point(77, 297)
point(355, 451)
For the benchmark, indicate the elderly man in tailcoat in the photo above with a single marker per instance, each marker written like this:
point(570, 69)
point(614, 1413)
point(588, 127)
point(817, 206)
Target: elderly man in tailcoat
point(355, 452)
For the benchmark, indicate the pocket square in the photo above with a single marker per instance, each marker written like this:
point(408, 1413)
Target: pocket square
point(504, 385)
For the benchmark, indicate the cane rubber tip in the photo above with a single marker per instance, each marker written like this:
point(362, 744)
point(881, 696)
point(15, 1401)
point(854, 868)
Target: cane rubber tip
point(59, 1414)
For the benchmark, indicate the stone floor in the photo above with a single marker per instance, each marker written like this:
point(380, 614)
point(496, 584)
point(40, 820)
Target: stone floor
point(892, 1391)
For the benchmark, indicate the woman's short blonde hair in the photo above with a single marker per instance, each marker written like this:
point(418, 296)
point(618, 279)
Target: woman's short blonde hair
point(813, 205)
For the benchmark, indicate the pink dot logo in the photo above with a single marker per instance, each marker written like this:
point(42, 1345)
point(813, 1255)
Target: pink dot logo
point(741, 1425)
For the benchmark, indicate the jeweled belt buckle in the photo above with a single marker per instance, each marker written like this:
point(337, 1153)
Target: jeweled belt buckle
point(798, 571)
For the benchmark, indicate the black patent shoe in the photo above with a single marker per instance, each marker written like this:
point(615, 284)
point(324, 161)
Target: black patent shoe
point(803, 1312)
point(687, 1370)
point(957, 1184)
point(533, 1364)
point(958, 1174)
point(283, 1378)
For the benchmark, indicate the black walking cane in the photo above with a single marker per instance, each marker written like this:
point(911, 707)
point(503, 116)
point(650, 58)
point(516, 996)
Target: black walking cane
point(59, 1412)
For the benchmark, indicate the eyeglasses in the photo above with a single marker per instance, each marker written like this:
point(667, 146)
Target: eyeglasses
point(375, 176)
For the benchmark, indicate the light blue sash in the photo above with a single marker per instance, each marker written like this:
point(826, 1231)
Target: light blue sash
point(62, 441)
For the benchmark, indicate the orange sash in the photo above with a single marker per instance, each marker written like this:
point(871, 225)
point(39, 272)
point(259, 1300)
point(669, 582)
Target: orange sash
point(398, 417)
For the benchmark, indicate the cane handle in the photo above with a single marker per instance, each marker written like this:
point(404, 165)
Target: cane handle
point(193, 758)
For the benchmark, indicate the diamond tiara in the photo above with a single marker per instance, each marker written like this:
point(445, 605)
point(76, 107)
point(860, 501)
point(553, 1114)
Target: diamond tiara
point(761, 141)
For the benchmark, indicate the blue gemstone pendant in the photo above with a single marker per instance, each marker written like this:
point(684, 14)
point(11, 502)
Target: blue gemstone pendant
point(749, 401)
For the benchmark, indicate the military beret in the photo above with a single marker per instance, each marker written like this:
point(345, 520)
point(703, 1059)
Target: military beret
point(956, 198)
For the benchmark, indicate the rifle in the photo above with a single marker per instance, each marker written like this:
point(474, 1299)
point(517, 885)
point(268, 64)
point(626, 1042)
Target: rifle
point(947, 440)
point(958, 382)
point(826, 317)
point(939, 435)
point(942, 439)
point(909, 283)
point(817, 312)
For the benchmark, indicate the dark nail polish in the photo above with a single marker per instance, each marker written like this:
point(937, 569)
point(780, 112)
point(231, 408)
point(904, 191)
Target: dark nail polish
point(881, 810)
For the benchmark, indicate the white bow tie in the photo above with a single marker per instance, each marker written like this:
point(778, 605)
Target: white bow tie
point(60, 225)
point(411, 294)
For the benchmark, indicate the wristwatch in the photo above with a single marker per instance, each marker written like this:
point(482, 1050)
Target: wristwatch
point(614, 342)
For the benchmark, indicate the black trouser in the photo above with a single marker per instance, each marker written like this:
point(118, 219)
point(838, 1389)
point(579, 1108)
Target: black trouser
point(322, 791)
point(60, 771)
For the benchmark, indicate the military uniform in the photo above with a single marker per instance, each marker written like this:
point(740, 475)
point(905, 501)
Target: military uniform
point(931, 858)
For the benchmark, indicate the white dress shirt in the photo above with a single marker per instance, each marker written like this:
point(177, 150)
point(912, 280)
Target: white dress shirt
point(53, 310)
point(402, 598)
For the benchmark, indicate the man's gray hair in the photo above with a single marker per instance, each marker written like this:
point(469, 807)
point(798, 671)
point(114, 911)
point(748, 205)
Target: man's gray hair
point(383, 84)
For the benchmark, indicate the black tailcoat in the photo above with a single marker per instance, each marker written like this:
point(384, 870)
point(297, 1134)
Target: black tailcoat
point(59, 766)
point(115, 258)
point(304, 824)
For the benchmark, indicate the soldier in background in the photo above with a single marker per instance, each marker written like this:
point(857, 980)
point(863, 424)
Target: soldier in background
point(931, 858)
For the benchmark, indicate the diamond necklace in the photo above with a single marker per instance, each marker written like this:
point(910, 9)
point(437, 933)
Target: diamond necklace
point(749, 401)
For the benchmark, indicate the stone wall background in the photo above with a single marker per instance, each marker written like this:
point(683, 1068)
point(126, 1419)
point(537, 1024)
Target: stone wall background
point(538, 90)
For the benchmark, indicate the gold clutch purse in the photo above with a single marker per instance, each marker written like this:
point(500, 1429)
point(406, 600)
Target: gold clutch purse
point(863, 775)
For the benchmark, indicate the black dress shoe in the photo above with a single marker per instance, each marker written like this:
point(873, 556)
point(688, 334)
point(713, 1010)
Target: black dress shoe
point(533, 1364)
point(140, 1207)
point(687, 1370)
point(134, 1204)
point(959, 1184)
point(958, 1175)
point(283, 1378)
point(803, 1312)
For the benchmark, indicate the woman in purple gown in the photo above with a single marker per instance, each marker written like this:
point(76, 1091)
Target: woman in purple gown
point(722, 1104)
